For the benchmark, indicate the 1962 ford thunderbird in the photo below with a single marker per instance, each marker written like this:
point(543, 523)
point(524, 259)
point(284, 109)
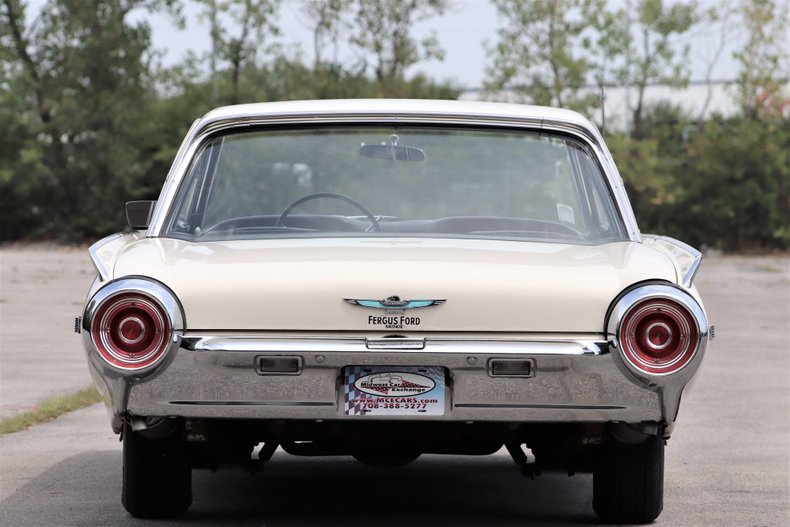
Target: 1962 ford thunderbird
point(384, 279)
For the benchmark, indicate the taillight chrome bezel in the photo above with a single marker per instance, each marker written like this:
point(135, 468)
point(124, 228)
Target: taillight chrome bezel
point(658, 335)
point(158, 316)
point(666, 304)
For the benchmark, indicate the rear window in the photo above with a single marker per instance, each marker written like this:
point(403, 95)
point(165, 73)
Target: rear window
point(395, 181)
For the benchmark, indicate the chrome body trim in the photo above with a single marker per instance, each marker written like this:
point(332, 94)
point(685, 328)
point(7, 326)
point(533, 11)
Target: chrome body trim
point(213, 377)
point(669, 385)
point(406, 345)
point(688, 278)
point(394, 112)
point(396, 344)
point(104, 273)
point(112, 381)
point(688, 257)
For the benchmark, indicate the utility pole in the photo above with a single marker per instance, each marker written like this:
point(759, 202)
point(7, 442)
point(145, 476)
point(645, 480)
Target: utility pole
point(627, 116)
point(214, 35)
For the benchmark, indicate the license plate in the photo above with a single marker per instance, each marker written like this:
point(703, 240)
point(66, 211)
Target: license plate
point(394, 390)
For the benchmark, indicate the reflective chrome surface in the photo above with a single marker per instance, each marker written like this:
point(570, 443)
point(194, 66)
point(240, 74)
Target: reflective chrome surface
point(112, 381)
point(404, 345)
point(219, 377)
point(104, 273)
point(687, 256)
point(395, 344)
point(668, 385)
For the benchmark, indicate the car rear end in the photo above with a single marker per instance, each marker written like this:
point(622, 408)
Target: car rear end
point(388, 281)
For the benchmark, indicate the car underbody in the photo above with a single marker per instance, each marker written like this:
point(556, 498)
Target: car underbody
point(569, 447)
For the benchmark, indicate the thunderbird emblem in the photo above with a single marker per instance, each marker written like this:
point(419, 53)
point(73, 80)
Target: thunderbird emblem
point(394, 302)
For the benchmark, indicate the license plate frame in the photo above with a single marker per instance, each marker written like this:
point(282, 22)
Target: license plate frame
point(384, 391)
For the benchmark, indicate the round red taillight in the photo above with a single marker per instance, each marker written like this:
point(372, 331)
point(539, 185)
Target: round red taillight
point(130, 330)
point(659, 335)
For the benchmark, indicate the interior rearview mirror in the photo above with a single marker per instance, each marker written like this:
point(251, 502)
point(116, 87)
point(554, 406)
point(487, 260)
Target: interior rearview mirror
point(392, 152)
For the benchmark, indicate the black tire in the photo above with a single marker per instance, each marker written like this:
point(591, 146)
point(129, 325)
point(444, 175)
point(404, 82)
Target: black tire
point(157, 477)
point(386, 458)
point(628, 481)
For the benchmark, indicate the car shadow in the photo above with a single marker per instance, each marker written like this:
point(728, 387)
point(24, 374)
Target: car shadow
point(434, 490)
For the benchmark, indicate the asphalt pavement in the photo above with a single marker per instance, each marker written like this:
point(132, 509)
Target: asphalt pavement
point(41, 291)
point(728, 462)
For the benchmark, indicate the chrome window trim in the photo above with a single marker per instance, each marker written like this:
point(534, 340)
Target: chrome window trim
point(586, 134)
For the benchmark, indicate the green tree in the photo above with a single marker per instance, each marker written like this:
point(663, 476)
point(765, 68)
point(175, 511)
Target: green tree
point(765, 59)
point(734, 191)
point(653, 168)
point(383, 28)
point(83, 145)
point(545, 52)
point(20, 160)
point(651, 55)
point(721, 19)
point(21, 163)
point(327, 19)
point(238, 30)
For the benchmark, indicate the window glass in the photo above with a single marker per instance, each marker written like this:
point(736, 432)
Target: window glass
point(395, 181)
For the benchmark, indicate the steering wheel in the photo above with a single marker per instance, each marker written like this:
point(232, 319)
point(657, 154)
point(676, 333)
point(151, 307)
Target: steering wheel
point(374, 224)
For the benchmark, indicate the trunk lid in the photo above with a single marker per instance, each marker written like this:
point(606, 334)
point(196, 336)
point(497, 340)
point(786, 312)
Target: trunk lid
point(301, 285)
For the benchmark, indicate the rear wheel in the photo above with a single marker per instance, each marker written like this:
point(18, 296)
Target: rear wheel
point(157, 477)
point(628, 481)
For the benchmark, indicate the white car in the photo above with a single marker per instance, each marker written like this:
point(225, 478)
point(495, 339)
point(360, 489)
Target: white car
point(386, 278)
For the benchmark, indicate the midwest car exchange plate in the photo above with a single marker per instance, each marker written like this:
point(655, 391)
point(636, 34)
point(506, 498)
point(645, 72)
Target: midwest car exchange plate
point(393, 390)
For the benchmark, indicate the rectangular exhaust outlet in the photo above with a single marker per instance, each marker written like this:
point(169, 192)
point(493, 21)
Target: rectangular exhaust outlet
point(278, 365)
point(511, 368)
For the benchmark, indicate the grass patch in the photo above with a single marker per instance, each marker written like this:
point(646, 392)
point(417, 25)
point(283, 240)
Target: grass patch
point(767, 268)
point(49, 409)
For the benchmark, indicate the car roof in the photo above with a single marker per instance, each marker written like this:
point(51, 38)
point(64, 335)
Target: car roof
point(395, 107)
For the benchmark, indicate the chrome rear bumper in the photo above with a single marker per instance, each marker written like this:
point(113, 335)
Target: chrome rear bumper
point(218, 377)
